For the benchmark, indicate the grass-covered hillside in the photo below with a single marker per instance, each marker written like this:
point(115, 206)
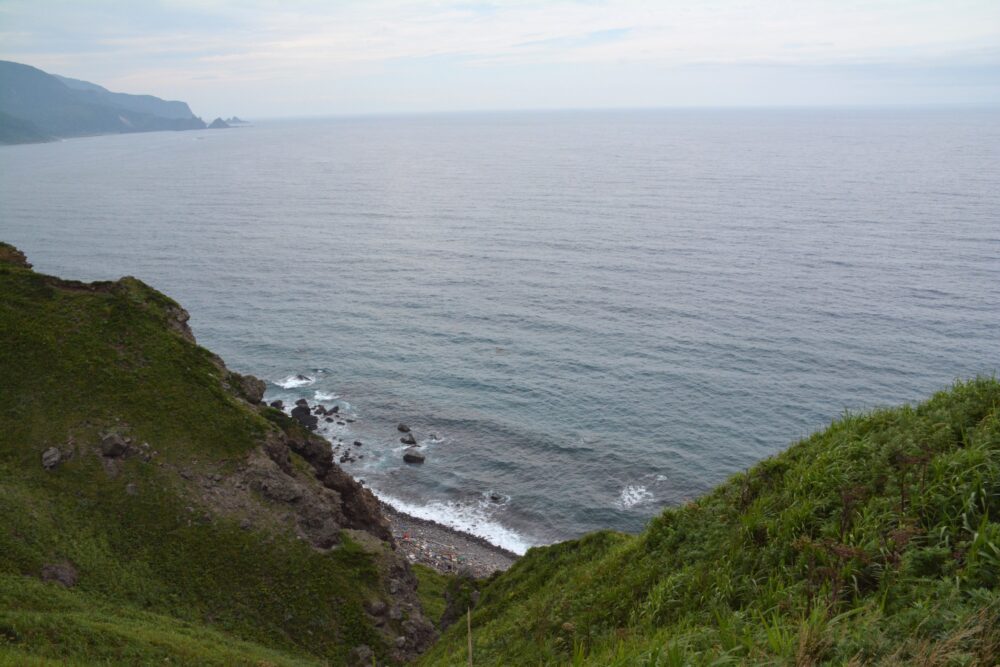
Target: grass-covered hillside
point(876, 541)
point(153, 511)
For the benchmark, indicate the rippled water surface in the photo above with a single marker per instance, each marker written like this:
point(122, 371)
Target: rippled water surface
point(596, 314)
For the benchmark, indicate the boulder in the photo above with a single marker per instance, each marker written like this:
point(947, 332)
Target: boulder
point(412, 455)
point(303, 416)
point(334, 410)
point(51, 458)
point(403, 428)
point(408, 439)
point(303, 402)
point(279, 404)
point(113, 446)
point(357, 443)
point(249, 387)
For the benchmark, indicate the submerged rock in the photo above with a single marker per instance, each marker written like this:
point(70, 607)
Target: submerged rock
point(408, 439)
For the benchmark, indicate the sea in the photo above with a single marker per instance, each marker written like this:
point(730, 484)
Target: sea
point(584, 317)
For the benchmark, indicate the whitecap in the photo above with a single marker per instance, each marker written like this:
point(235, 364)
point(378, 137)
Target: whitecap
point(324, 396)
point(467, 518)
point(294, 381)
point(632, 495)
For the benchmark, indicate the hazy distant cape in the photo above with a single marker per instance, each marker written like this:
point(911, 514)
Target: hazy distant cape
point(37, 106)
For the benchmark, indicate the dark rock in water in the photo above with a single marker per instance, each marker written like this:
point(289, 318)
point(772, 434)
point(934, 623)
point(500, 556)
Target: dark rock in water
point(280, 405)
point(349, 421)
point(113, 446)
point(51, 458)
point(62, 573)
point(408, 439)
point(303, 402)
point(357, 443)
point(495, 498)
point(328, 419)
point(303, 378)
point(403, 428)
point(319, 410)
point(342, 423)
point(412, 455)
point(334, 410)
point(304, 417)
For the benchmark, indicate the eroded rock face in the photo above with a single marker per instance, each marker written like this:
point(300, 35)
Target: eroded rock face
point(11, 255)
point(248, 387)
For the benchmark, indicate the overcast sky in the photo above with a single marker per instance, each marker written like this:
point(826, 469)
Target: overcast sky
point(284, 58)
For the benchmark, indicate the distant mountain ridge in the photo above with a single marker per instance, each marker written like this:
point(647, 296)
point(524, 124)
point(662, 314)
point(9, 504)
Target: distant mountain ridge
point(37, 106)
point(139, 103)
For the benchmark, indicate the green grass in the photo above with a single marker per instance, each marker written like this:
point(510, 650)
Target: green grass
point(876, 541)
point(431, 589)
point(162, 578)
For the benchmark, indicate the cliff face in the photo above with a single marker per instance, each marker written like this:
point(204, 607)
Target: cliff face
point(145, 487)
point(36, 104)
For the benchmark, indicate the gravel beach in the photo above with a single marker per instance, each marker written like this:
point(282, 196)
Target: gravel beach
point(445, 549)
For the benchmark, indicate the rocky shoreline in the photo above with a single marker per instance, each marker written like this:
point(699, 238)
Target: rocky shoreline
point(445, 549)
point(423, 541)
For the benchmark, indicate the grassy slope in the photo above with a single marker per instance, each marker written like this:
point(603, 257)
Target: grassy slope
point(876, 541)
point(159, 576)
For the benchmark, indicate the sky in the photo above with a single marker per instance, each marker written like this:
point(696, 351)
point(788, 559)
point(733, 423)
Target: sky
point(274, 58)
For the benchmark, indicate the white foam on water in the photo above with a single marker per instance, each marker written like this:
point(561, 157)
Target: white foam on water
point(324, 396)
point(295, 381)
point(632, 495)
point(467, 518)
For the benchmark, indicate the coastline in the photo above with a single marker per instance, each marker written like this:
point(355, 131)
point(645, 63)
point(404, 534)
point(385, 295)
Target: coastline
point(445, 549)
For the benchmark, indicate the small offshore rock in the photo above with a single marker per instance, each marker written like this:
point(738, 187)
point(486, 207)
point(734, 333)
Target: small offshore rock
point(303, 378)
point(334, 410)
point(358, 443)
point(408, 439)
point(403, 428)
point(412, 455)
point(328, 419)
point(303, 402)
point(279, 404)
point(51, 458)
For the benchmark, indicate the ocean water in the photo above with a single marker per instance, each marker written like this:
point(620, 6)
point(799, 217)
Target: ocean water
point(584, 316)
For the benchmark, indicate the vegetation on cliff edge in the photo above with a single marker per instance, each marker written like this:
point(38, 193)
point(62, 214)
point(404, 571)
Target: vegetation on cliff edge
point(875, 541)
